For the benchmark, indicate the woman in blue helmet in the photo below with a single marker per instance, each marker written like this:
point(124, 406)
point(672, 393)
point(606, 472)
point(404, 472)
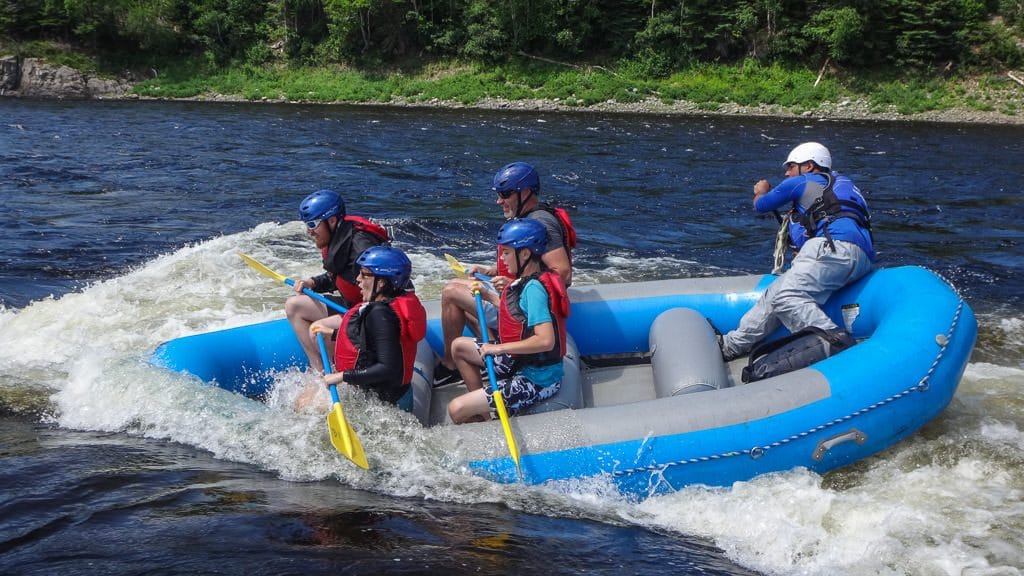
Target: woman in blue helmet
point(531, 327)
point(376, 339)
point(341, 238)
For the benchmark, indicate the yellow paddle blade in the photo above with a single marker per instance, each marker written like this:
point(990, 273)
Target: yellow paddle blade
point(457, 266)
point(255, 265)
point(506, 426)
point(344, 437)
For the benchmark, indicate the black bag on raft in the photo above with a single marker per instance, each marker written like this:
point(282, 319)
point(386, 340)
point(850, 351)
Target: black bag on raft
point(798, 350)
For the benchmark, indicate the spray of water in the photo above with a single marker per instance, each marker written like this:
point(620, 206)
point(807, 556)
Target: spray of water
point(948, 501)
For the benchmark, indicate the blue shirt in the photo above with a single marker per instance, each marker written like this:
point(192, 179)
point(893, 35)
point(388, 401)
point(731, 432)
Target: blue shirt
point(792, 189)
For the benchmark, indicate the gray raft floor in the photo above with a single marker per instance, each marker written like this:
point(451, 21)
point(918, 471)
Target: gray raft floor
point(602, 386)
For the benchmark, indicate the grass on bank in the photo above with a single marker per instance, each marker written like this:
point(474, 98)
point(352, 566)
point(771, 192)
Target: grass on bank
point(708, 86)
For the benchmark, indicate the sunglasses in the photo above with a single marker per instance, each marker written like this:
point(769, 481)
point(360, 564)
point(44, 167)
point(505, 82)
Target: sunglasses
point(312, 224)
point(506, 194)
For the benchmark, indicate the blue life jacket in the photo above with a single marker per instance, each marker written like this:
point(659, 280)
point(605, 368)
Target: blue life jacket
point(835, 210)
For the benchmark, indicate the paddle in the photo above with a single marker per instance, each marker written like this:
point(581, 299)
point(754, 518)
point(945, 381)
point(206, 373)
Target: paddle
point(255, 265)
point(460, 270)
point(342, 435)
point(499, 401)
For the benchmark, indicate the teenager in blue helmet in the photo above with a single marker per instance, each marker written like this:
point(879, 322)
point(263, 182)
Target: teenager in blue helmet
point(341, 238)
point(830, 227)
point(517, 188)
point(375, 341)
point(532, 311)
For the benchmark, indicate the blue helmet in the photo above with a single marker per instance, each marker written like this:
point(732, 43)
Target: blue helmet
point(387, 262)
point(320, 205)
point(516, 177)
point(524, 233)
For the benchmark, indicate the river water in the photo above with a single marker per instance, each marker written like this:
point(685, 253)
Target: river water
point(119, 229)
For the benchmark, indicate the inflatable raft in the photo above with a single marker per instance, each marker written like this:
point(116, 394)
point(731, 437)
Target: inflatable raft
point(647, 399)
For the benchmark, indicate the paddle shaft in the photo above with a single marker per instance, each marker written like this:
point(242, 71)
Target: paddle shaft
point(327, 366)
point(262, 269)
point(326, 301)
point(499, 401)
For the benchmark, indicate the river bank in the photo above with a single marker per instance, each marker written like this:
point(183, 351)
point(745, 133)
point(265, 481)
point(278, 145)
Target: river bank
point(34, 78)
point(850, 109)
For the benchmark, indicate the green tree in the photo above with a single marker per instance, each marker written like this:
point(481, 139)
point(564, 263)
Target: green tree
point(226, 29)
point(31, 19)
point(840, 30)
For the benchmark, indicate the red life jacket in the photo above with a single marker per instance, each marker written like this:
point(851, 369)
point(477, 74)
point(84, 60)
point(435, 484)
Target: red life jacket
point(512, 320)
point(366, 225)
point(350, 290)
point(413, 321)
point(568, 236)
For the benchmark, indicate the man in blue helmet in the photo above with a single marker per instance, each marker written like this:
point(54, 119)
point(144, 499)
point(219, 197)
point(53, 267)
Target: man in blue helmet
point(830, 227)
point(341, 238)
point(532, 311)
point(517, 186)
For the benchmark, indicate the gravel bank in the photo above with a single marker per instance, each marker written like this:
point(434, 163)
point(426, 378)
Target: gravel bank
point(846, 110)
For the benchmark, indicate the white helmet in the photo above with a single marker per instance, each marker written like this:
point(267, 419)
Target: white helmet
point(810, 151)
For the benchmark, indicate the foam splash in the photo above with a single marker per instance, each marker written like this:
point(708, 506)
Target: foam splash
point(947, 501)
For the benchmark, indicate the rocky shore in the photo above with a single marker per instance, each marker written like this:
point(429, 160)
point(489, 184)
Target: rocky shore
point(844, 110)
point(34, 78)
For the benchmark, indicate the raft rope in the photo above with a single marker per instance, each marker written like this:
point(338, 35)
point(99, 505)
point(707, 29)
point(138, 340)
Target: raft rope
point(757, 451)
point(781, 244)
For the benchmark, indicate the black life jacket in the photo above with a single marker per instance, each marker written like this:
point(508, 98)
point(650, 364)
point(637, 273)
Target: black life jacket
point(824, 205)
point(344, 279)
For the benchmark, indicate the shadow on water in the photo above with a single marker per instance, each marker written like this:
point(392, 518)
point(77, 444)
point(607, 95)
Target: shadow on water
point(110, 504)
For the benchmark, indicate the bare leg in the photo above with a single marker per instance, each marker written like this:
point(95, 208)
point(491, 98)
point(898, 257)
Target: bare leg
point(468, 361)
point(470, 407)
point(458, 308)
point(303, 311)
point(308, 395)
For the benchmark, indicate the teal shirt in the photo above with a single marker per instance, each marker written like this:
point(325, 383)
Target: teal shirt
point(534, 303)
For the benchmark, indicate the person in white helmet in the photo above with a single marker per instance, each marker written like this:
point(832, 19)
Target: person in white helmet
point(830, 227)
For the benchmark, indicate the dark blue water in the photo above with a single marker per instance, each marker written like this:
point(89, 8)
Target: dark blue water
point(94, 192)
point(91, 189)
point(98, 504)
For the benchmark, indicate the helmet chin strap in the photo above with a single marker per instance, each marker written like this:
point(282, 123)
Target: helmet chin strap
point(373, 291)
point(519, 206)
point(519, 263)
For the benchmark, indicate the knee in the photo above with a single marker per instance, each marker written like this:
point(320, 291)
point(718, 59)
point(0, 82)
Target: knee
point(455, 410)
point(787, 298)
point(451, 291)
point(292, 306)
point(462, 345)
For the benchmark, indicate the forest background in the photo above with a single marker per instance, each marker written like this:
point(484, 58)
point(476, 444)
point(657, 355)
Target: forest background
point(904, 55)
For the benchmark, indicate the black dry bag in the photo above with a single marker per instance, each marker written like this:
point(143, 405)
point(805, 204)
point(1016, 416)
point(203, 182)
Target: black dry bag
point(798, 350)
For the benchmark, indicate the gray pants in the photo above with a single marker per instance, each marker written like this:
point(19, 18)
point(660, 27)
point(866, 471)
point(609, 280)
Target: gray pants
point(794, 300)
